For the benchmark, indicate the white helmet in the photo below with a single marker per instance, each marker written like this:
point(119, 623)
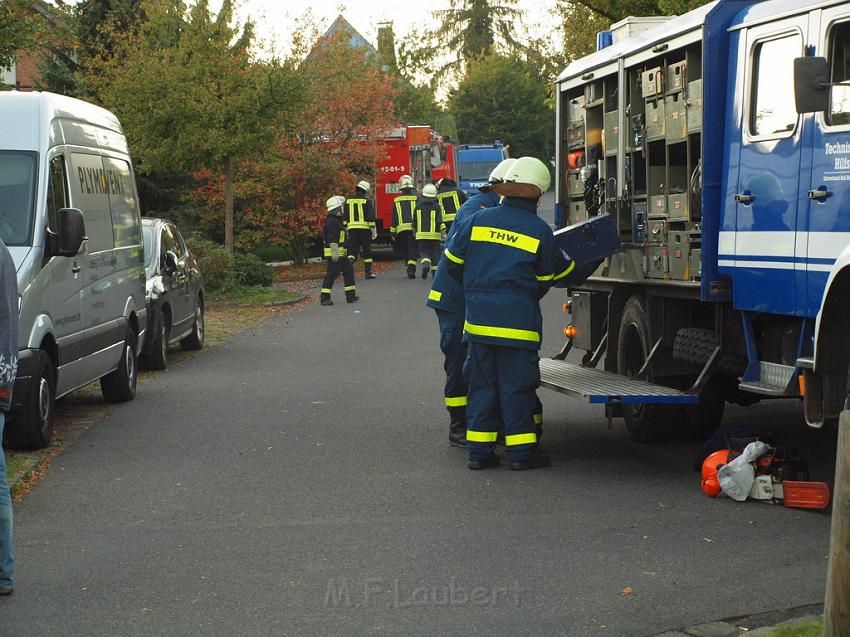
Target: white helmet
point(499, 171)
point(528, 177)
point(429, 191)
point(363, 185)
point(334, 202)
point(405, 181)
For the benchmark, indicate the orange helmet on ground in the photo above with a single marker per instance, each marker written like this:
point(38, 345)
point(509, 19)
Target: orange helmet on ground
point(710, 484)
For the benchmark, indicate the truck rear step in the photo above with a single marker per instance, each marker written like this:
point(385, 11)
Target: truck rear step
point(599, 386)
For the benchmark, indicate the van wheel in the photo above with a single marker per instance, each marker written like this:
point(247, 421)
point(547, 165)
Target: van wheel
point(645, 423)
point(195, 340)
point(120, 386)
point(32, 427)
point(157, 356)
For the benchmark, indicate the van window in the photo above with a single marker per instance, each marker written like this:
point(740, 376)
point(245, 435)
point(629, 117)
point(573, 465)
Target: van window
point(122, 201)
point(17, 196)
point(90, 193)
point(839, 57)
point(772, 109)
point(57, 192)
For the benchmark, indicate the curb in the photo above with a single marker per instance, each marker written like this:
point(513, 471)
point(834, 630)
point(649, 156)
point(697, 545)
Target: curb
point(762, 624)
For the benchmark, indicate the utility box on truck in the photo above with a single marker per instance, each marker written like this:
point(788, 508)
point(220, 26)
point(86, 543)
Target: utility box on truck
point(730, 200)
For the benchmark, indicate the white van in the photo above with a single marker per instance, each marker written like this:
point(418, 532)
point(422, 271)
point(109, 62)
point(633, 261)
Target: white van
point(69, 213)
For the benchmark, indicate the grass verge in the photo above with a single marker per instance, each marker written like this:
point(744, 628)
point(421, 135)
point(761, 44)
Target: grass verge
point(811, 629)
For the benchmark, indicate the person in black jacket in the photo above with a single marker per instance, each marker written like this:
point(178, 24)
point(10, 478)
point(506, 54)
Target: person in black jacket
point(450, 198)
point(404, 210)
point(336, 254)
point(360, 224)
point(8, 371)
point(428, 226)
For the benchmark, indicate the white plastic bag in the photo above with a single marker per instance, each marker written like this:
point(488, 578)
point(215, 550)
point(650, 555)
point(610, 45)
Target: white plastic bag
point(737, 477)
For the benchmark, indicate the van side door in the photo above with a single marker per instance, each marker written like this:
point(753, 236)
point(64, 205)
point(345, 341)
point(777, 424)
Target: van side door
point(828, 189)
point(65, 275)
point(767, 195)
point(184, 309)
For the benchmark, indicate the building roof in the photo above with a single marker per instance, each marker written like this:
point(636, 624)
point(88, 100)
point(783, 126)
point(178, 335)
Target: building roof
point(355, 40)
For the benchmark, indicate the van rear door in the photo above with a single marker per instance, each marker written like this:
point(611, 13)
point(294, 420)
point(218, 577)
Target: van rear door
point(828, 189)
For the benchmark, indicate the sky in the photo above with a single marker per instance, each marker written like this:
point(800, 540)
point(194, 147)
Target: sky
point(274, 19)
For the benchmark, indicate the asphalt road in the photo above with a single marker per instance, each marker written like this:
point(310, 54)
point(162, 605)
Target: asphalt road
point(297, 480)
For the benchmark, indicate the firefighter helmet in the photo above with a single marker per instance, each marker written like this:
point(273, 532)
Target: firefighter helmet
point(498, 174)
point(528, 177)
point(363, 185)
point(334, 202)
point(429, 191)
point(405, 181)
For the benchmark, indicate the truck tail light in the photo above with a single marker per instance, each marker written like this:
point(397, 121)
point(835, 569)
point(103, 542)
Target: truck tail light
point(570, 331)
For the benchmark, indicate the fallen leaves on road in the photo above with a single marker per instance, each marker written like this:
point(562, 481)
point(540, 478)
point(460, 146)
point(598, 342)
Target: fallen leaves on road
point(628, 590)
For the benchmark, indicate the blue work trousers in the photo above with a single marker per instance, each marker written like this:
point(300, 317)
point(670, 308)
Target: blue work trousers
point(503, 384)
point(7, 558)
point(454, 353)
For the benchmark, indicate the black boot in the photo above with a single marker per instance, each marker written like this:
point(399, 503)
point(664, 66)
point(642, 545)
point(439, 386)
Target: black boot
point(425, 270)
point(411, 271)
point(351, 297)
point(369, 274)
point(537, 461)
point(325, 299)
point(457, 426)
point(490, 461)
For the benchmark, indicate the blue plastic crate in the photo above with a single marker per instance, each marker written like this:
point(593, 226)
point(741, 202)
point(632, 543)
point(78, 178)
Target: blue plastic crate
point(588, 242)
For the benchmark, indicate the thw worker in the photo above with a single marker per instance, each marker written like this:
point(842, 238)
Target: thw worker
point(507, 259)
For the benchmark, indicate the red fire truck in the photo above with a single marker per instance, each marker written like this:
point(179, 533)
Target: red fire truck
point(410, 150)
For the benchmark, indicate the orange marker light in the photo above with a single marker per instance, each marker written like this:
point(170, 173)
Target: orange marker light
point(570, 331)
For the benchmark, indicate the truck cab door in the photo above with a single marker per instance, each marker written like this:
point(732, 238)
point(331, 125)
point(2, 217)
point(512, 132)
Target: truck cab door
point(767, 195)
point(828, 187)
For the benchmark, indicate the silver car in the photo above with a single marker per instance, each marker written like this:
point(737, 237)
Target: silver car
point(174, 293)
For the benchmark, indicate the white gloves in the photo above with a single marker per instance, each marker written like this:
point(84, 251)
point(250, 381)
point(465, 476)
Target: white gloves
point(334, 252)
point(374, 233)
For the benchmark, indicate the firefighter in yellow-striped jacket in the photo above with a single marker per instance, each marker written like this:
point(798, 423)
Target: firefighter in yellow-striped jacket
point(360, 224)
point(404, 209)
point(336, 253)
point(429, 228)
point(450, 198)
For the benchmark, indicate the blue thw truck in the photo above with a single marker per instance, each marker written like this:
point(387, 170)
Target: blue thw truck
point(719, 141)
point(475, 162)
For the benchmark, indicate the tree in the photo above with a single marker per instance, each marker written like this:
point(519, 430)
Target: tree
point(82, 32)
point(503, 97)
point(331, 144)
point(18, 30)
point(616, 10)
point(467, 31)
point(189, 93)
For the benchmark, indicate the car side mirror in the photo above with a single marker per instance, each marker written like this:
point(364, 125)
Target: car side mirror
point(170, 261)
point(72, 232)
point(811, 84)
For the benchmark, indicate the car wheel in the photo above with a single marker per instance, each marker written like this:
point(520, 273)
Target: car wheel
point(157, 355)
point(195, 340)
point(120, 386)
point(32, 427)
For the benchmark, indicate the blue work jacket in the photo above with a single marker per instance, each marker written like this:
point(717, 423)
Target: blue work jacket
point(507, 259)
point(447, 292)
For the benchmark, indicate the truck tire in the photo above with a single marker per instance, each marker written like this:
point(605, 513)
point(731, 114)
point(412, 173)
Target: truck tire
point(32, 427)
point(119, 386)
point(645, 423)
point(195, 340)
point(695, 345)
point(156, 356)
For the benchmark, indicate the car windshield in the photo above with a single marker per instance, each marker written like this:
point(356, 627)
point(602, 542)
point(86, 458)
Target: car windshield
point(476, 170)
point(17, 196)
point(147, 238)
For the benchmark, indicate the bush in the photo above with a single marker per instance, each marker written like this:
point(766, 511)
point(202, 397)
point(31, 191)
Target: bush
point(250, 270)
point(215, 262)
point(270, 254)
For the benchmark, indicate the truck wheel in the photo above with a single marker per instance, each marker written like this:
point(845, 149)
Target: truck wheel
point(195, 340)
point(645, 423)
point(705, 417)
point(695, 345)
point(157, 356)
point(32, 427)
point(120, 386)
